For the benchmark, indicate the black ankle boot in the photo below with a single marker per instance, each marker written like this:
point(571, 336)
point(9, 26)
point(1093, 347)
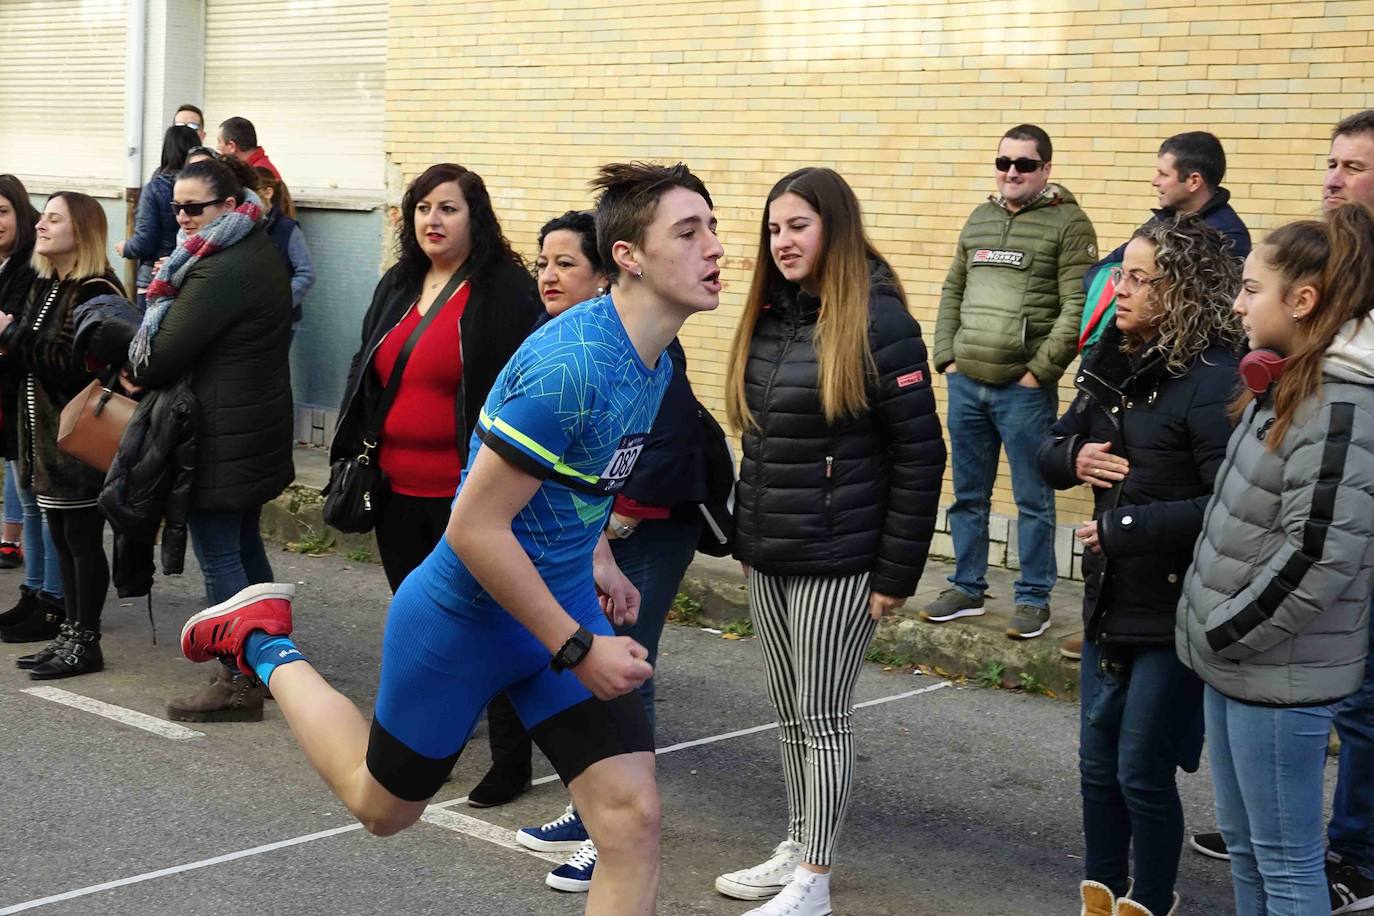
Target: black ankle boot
point(28, 603)
point(64, 633)
point(80, 655)
point(41, 625)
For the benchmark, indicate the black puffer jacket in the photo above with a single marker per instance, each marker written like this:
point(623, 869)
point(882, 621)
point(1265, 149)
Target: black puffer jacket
point(502, 310)
point(817, 499)
point(1173, 431)
point(16, 279)
point(229, 329)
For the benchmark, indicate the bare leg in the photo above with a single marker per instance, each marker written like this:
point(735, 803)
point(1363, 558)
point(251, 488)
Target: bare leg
point(333, 735)
point(618, 801)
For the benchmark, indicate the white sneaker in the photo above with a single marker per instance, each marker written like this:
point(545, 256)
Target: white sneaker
point(807, 894)
point(766, 880)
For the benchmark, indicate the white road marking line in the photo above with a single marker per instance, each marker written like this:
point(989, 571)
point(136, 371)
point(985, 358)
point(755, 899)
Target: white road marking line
point(117, 713)
point(434, 814)
point(483, 830)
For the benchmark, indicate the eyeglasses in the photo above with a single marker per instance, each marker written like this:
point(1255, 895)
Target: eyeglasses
point(191, 124)
point(1023, 164)
point(1122, 280)
point(196, 209)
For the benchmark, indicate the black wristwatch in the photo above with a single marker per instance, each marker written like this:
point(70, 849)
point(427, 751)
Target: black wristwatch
point(573, 651)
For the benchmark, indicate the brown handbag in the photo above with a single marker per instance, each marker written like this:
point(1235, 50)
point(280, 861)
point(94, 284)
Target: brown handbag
point(92, 424)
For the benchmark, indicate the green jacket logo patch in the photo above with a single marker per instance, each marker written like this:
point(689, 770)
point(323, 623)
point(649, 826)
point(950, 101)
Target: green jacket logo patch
point(998, 257)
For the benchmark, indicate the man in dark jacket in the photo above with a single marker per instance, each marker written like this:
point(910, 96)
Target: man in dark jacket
point(1187, 181)
point(1006, 331)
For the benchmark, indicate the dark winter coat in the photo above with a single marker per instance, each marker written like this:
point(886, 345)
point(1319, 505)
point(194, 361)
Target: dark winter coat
point(41, 345)
point(153, 474)
point(1173, 431)
point(859, 495)
point(16, 280)
point(671, 471)
point(501, 311)
point(229, 329)
point(155, 226)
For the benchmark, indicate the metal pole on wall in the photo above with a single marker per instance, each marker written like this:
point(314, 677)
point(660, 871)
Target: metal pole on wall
point(135, 46)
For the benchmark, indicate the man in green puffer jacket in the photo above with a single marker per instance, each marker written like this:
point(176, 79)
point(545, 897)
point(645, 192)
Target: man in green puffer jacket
point(1006, 331)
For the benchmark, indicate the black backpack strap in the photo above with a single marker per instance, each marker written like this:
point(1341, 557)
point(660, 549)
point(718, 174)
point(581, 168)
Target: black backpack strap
point(372, 437)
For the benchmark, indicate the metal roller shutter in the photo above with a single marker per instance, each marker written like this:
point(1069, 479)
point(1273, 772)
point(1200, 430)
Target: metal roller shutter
point(310, 76)
point(62, 93)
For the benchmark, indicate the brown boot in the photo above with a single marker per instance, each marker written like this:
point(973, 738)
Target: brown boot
point(1098, 899)
point(1128, 907)
point(1072, 648)
point(229, 697)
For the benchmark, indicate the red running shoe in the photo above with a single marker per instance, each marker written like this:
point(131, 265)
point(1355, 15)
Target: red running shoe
point(220, 631)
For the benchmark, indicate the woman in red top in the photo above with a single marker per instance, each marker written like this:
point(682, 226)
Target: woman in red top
point(448, 232)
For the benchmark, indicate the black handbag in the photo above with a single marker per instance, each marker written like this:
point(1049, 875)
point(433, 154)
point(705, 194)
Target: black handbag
point(357, 487)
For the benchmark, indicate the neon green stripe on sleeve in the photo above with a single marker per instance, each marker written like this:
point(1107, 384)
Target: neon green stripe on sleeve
point(512, 433)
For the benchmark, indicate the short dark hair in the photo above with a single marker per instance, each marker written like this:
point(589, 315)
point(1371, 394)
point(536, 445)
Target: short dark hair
point(628, 199)
point(584, 224)
point(1197, 151)
point(25, 216)
point(191, 108)
point(177, 143)
point(1043, 147)
point(223, 180)
point(1361, 122)
point(239, 131)
point(489, 246)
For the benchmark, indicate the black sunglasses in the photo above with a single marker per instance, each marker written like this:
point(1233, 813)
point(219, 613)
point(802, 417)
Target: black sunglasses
point(1023, 164)
point(198, 208)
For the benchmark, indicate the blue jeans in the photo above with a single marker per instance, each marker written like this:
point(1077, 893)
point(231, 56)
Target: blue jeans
point(42, 568)
point(1135, 728)
point(14, 510)
point(1351, 831)
point(655, 560)
point(229, 549)
point(983, 419)
point(1267, 774)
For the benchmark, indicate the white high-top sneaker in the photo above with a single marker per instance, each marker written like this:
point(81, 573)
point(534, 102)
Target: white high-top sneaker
point(765, 880)
point(807, 894)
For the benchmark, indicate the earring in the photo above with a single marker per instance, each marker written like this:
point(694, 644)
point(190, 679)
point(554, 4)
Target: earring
point(640, 273)
point(1295, 317)
point(601, 290)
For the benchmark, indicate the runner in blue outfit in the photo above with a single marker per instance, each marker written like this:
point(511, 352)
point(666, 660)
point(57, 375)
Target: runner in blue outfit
point(516, 595)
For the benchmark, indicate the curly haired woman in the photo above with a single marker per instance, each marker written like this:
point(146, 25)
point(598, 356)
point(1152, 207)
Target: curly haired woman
point(1147, 432)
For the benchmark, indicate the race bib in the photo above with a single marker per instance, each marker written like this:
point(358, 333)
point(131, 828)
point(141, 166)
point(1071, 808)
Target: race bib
point(622, 463)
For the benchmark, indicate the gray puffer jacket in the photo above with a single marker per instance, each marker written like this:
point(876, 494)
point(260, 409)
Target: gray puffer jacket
point(1275, 607)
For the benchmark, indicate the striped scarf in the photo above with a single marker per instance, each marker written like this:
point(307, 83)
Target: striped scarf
point(226, 230)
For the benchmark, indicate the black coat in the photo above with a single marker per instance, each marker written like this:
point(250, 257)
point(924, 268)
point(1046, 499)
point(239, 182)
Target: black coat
point(502, 309)
point(671, 471)
point(1173, 431)
point(816, 499)
point(229, 329)
point(16, 279)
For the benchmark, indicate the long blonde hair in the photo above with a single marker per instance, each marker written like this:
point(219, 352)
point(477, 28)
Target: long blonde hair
point(842, 274)
point(91, 234)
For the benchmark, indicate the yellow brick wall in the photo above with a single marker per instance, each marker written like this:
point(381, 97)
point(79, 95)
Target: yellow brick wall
point(907, 100)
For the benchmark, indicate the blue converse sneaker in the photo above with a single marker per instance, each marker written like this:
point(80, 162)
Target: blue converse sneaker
point(562, 835)
point(575, 875)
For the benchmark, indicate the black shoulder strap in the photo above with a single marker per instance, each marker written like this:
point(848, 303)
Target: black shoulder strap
point(393, 384)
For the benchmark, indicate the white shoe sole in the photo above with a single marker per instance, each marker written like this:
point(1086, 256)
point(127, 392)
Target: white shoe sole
point(954, 615)
point(538, 845)
point(737, 891)
point(244, 598)
point(1028, 634)
point(1359, 906)
point(1204, 851)
point(567, 885)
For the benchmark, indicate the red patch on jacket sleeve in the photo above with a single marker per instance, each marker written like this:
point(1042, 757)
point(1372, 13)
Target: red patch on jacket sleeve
point(911, 378)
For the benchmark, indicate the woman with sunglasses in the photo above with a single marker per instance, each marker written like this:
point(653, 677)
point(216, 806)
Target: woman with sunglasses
point(220, 311)
point(69, 259)
point(1146, 432)
point(155, 226)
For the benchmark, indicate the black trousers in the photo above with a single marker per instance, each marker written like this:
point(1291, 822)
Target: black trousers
point(409, 528)
point(79, 537)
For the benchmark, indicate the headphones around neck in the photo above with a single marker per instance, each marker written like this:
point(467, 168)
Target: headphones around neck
point(1261, 368)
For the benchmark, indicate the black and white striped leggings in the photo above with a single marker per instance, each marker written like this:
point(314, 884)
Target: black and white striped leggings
point(815, 633)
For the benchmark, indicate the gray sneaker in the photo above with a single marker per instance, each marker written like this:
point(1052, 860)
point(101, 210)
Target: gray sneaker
point(1028, 622)
point(952, 604)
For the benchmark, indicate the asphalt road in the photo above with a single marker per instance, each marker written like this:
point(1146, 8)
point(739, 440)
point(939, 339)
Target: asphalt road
point(966, 800)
